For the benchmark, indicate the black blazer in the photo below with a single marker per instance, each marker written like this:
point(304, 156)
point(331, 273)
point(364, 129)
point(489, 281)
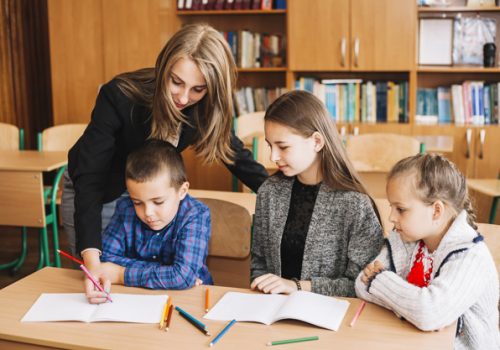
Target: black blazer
point(96, 163)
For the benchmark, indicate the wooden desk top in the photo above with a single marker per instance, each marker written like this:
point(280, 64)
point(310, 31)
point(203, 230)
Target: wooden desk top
point(246, 200)
point(490, 187)
point(32, 160)
point(377, 328)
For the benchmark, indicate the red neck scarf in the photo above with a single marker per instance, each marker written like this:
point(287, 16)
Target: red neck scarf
point(418, 276)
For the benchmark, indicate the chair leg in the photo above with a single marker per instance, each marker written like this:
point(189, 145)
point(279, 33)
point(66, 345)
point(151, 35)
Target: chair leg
point(24, 250)
point(494, 207)
point(16, 264)
point(44, 246)
point(55, 233)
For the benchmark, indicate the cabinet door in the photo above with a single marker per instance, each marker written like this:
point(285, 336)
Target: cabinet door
point(318, 35)
point(486, 156)
point(383, 34)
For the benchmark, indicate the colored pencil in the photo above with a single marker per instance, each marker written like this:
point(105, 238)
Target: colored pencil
point(207, 299)
point(222, 332)
point(169, 317)
point(358, 312)
point(164, 315)
point(69, 256)
point(193, 321)
point(288, 341)
point(94, 281)
point(184, 313)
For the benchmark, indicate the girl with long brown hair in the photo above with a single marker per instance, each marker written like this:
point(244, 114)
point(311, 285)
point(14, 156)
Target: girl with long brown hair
point(315, 225)
point(186, 99)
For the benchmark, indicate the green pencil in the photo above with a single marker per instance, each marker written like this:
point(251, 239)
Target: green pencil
point(288, 341)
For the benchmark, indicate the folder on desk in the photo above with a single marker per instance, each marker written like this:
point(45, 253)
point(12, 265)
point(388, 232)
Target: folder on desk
point(316, 309)
point(135, 308)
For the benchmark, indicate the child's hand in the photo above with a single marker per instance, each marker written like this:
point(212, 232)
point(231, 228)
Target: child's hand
point(115, 273)
point(273, 284)
point(198, 282)
point(371, 270)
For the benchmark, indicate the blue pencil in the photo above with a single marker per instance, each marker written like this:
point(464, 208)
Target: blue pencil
point(202, 325)
point(216, 339)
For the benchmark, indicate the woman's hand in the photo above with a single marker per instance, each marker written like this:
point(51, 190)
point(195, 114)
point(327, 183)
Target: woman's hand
point(93, 264)
point(273, 284)
point(371, 270)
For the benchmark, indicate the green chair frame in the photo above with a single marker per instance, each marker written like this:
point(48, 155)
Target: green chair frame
point(494, 206)
point(16, 264)
point(255, 150)
point(50, 197)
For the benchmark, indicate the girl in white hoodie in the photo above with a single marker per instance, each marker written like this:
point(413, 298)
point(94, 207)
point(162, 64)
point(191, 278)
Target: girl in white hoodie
point(435, 268)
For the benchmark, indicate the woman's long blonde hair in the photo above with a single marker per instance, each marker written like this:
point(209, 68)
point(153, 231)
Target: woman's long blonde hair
point(306, 114)
point(213, 113)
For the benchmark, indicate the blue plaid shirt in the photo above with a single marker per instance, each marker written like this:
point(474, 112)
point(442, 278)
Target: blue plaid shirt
point(171, 258)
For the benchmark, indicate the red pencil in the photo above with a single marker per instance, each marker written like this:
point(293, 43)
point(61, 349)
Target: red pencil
point(70, 257)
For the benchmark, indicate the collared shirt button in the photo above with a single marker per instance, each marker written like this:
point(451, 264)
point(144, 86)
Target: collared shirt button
point(158, 234)
point(154, 256)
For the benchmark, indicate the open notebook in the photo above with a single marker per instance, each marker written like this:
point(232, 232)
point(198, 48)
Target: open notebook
point(135, 308)
point(319, 310)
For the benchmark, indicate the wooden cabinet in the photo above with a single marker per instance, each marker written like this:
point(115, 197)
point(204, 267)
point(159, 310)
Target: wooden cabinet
point(338, 35)
point(318, 35)
point(382, 35)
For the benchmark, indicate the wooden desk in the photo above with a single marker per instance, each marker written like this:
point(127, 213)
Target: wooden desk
point(377, 328)
point(21, 185)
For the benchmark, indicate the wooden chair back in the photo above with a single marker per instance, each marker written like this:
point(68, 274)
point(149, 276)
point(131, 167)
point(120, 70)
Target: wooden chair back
point(61, 137)
point(250, 129)
point(491, 235)
point(373, 156)
point(9, 137)
point(379, 152)
point(384, 209)
point(229, 248)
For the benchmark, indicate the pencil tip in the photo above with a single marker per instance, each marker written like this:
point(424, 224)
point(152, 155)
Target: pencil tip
point(211, 344)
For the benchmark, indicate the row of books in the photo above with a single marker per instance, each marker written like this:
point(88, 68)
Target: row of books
point(218, 5)
point(472, 102)
point(249, 100)
point(255, 50)
point(352, 100)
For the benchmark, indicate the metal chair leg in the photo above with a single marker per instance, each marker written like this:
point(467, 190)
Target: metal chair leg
point(44, 242)
point(55, 235)
point(494, 207)
point(24, 250)
point(41, 259)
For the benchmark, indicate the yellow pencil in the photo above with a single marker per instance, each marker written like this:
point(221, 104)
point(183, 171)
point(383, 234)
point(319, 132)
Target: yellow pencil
point(162, 320)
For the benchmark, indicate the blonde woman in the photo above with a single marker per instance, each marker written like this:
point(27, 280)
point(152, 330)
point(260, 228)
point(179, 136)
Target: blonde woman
point(186, 99)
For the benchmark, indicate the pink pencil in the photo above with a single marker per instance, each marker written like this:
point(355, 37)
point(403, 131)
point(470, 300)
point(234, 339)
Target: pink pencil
point(96, 284)
point(358, 312)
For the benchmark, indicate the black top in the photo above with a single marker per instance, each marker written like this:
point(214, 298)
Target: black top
point(294, 236)
point(96, 163)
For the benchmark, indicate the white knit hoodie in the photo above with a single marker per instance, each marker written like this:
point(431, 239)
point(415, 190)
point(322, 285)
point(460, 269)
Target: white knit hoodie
point(464, 284)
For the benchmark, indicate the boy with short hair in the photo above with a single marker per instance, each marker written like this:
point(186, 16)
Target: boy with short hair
point(158, 237)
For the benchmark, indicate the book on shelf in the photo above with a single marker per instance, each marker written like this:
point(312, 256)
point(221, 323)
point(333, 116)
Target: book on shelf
point(249, 99)
point(255, 50)
point(210, 5)
point(352, 100)
point(319, 310)
point(135, 308)
point(469, 103)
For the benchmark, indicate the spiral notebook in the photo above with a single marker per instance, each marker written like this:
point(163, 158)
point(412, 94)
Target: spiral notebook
point(316, 309)
point(135, 308)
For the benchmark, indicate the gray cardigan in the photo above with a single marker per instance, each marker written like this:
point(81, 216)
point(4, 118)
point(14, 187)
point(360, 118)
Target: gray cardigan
point(344, 235)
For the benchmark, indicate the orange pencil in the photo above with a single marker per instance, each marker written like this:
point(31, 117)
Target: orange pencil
point(169, 318)
point(358, 312)
point(169, 302)
point(207, 299)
